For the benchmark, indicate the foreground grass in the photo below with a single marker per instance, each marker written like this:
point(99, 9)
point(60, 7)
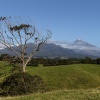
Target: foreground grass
point(68, 82)
point(92, 94)
point(76, 76)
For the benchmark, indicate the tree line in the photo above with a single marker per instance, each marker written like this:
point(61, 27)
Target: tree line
point(57, 61)
point(51, 62)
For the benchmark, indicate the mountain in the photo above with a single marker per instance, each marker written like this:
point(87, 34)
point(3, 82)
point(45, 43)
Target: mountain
point(82, 47)
point(78, 48)
point(49, 50)
point(82, 43)
point(52, 50)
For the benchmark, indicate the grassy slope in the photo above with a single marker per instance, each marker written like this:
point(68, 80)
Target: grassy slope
point(67, 79)
point(69, 76)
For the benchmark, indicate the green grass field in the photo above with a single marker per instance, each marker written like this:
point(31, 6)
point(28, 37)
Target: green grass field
point(79, 76)
point(68, 82)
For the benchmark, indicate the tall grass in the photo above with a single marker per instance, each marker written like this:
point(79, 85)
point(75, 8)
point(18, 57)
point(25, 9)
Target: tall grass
point(61, 95)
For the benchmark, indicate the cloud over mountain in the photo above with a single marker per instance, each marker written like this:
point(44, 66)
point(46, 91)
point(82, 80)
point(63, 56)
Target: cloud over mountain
point(78, 48)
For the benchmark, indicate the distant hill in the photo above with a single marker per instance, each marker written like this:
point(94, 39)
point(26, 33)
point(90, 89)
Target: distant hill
point(81, 47)
point(78, 48)
point(52, 50)
point(49, 50)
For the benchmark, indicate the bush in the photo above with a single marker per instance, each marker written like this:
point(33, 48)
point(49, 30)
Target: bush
point(22, 83)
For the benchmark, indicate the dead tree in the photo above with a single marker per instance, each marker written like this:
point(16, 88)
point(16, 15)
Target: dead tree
point(19, 32)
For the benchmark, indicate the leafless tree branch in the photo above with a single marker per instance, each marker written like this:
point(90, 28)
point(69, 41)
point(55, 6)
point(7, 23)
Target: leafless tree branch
point(16, 32)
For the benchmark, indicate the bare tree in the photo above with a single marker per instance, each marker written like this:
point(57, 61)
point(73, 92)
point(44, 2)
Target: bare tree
point(19, 32)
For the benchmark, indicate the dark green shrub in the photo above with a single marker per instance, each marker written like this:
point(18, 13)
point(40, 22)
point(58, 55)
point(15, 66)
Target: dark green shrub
point(22, 83)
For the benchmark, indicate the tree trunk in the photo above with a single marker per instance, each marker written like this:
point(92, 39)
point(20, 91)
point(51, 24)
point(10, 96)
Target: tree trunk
point(23, 67)
point(23, 70)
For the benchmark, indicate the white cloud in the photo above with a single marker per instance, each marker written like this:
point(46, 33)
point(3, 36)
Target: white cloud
point(2, 46)
point(73, 45)
point(61, 43)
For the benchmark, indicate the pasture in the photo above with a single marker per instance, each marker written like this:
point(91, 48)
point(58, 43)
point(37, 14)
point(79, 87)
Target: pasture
point(67, 82)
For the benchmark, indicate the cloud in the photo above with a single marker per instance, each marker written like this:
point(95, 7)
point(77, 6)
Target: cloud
point(73, 45)
point(2, 46)
point(61, 43)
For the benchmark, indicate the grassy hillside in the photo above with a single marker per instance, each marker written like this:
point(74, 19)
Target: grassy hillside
point(68, 82)
point(79, 76)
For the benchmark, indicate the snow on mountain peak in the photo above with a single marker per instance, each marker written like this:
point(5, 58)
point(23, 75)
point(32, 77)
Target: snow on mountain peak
point(80, 41)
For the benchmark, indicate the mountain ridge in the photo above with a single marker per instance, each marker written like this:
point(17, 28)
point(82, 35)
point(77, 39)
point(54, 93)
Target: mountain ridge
point(78, 48)
point(82, 47)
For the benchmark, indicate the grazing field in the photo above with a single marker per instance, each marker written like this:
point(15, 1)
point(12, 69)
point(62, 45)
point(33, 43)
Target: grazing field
point(76, 76)
point(68, 82)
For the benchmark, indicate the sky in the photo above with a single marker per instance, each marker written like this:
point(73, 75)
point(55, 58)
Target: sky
point(67, 19)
